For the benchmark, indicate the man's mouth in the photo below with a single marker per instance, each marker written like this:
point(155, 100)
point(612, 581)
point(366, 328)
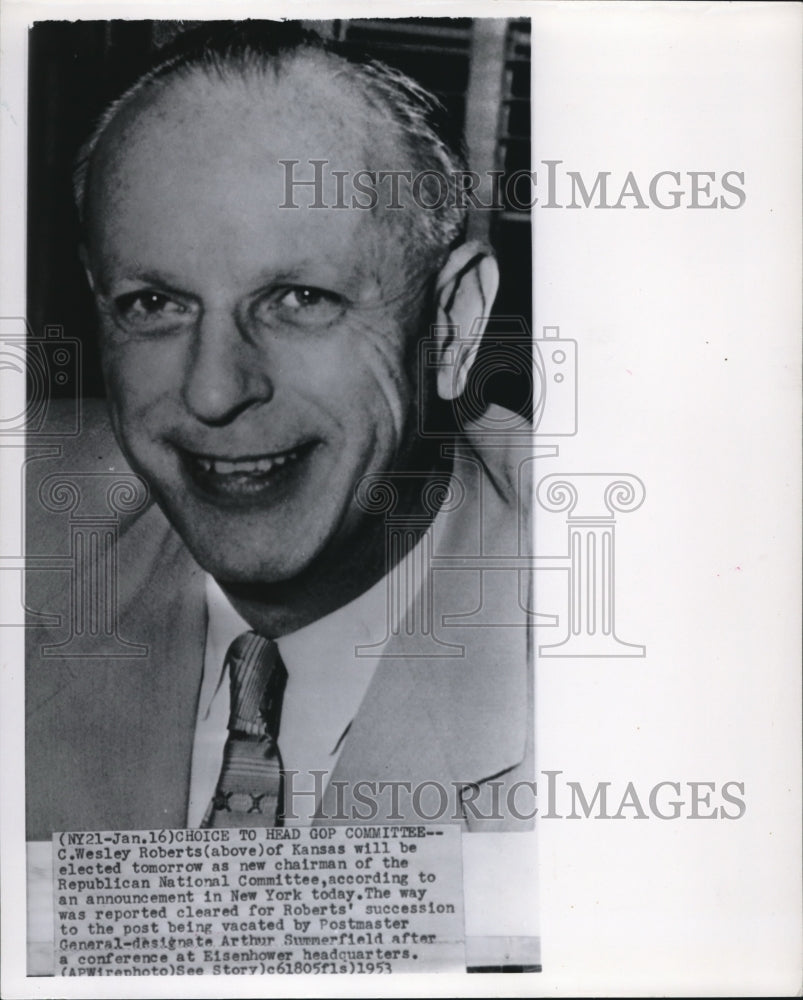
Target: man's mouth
point(245, 478)
point(244, 466)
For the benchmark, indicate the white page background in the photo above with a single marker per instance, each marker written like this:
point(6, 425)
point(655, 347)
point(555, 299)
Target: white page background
point(688, 326)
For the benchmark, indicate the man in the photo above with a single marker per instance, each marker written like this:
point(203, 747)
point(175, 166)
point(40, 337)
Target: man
point(261, 352)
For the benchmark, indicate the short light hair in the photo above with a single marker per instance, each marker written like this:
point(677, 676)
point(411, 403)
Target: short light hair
point(238, 49)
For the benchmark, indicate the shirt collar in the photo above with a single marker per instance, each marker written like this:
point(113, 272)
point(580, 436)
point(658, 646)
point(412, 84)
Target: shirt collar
point(329, 662)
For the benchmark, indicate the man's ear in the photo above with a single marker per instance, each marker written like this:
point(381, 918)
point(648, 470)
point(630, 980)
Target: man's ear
point(465, 291)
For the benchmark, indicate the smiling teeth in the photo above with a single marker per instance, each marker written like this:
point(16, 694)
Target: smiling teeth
point(221, 467)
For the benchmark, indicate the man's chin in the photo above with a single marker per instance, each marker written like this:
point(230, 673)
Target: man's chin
point(252, 569)
point(248, 540)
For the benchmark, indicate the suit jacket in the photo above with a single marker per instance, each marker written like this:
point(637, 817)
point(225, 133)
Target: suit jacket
point(109, 737)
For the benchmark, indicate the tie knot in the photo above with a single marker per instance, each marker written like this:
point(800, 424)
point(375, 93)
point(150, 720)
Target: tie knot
point(257, 678)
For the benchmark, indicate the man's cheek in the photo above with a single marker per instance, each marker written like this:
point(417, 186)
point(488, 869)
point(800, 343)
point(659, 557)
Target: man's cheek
point(138, 374)
point(387, 391)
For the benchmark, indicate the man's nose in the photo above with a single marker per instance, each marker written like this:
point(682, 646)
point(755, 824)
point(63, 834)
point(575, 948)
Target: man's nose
point(226, 372)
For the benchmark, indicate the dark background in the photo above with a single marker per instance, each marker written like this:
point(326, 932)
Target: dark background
point(76, 68)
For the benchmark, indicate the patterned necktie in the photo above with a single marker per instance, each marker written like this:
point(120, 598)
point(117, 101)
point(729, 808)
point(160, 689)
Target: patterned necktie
point(249, 789)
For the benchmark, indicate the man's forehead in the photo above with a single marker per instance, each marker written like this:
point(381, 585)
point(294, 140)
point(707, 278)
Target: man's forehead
point(306, 108)
point(189, 182)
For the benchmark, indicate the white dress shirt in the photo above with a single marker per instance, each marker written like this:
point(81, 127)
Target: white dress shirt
point(326, 683)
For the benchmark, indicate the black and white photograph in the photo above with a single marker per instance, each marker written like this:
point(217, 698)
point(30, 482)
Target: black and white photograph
point(400, 533)
point(285, 448)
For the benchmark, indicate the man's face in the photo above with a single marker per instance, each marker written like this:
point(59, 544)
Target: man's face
point(259, 361)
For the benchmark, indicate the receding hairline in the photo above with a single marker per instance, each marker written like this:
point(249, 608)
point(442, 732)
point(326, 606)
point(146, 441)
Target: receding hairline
point(354, 105)
point(398, 106)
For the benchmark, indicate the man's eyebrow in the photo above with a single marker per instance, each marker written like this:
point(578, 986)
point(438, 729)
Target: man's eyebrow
point(300, 272)
point(306, 271)
point(165, 281)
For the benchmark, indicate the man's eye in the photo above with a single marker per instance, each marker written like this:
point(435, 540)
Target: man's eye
point(149, 310)
point(300, 305)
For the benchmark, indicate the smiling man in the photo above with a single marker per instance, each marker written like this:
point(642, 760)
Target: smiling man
point(264, 378)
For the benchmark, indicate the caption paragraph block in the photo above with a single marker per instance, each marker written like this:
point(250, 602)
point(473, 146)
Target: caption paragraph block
point(356, 899)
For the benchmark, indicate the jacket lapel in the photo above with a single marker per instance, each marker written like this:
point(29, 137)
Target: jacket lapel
point(452, 719)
